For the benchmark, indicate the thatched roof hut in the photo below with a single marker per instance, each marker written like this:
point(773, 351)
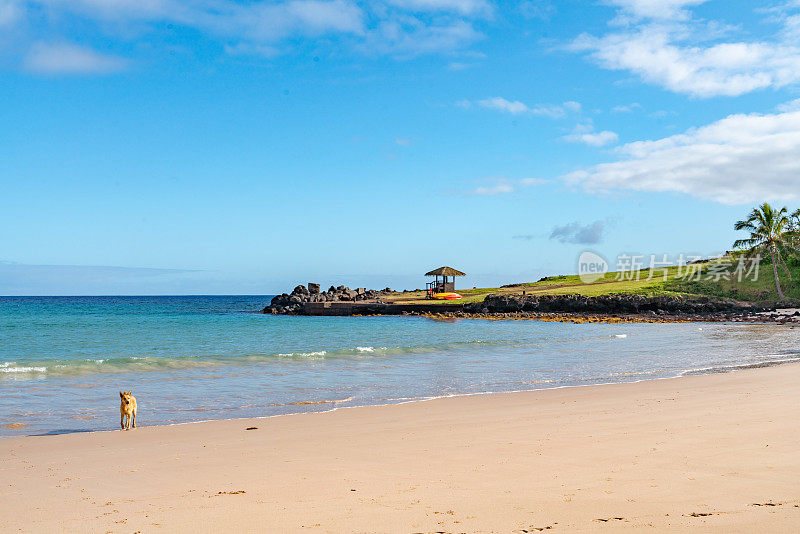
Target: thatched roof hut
point(448, 282)
point(445, 271)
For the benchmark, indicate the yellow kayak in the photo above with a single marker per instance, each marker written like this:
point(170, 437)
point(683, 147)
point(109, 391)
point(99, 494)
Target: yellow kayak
point(446, 296)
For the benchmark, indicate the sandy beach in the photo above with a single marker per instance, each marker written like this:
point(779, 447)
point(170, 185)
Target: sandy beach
point(714, 453)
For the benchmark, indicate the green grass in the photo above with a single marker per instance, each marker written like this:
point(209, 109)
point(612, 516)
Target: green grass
point(762, 289)
point(670, 281)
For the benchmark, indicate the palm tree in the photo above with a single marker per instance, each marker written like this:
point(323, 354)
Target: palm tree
point(770, 231)
point(794, 234)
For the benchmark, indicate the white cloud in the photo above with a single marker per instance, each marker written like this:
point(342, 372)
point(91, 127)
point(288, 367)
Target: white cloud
point(496, 189)
point(537, 9)
point(501, 185)
point(516, 107)
point(260, 26)
point(527, 182)
point(656, 9)
point(501, 104)
point(664, 47)
point(319, 16)
point(630, 108)
point(403, 141)
point(793, 105)
point(585, 133)
point(251, 20)
point(409, 37)
point(603, 138)
point(741, 159)
point(63, 58)
point(465, 7)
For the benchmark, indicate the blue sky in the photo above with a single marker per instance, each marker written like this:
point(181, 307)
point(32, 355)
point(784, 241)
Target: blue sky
point(216, 146)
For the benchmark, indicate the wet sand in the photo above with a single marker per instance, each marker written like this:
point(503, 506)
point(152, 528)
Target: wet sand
point(715, 453)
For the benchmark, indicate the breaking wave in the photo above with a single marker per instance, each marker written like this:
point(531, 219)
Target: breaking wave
point(137, 364)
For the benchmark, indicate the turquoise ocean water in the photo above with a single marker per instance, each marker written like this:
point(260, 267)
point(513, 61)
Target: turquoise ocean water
point(64, 359)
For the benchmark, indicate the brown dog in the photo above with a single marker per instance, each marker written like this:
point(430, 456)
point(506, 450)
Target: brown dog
point(127, 408)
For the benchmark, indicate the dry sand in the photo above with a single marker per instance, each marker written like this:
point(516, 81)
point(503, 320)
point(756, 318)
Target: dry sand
point(718, 453)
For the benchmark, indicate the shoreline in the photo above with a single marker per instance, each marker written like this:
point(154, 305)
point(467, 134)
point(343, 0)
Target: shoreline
point(776, 317)
point(706, 371)
point(653, 452)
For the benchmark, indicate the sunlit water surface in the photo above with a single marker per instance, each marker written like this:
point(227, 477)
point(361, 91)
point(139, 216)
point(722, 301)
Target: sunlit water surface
point(64, 359)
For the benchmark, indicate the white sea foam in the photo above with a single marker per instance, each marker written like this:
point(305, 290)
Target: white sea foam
point(620, 336)
point(23, 370)
point(365, 349)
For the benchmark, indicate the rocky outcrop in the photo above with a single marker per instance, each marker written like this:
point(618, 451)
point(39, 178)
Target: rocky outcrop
point(292, 303)
point(610, 304)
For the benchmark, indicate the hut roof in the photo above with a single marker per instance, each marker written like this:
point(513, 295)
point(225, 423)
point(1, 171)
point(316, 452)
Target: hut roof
point(445, 271)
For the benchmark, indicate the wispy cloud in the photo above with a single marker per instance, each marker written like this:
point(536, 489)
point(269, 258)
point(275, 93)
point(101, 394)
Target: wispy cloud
point(500, 185)
point(494, 189)
point(515, 107)
point(740, 159)
point(586, 134)
point(579, 234)
point(793, 105)
point(64, 58)
point(459, 65)
point(630, 108)
point(537, 9)
point(656, 9)
point(410, 36)
point(247, 21)
point(501, 104)
point(465, 7)
point(403, 28)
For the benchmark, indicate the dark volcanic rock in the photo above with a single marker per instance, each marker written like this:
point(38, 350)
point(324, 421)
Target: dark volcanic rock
point(294, 303)
point(300, 290)
point(608, 304)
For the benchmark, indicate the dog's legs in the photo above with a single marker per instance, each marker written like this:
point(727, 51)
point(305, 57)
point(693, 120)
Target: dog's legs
point(122, 421)
point(134, 420)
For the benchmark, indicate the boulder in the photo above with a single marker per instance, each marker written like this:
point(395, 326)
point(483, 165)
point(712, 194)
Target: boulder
point(313, 288)
point(300, 290)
